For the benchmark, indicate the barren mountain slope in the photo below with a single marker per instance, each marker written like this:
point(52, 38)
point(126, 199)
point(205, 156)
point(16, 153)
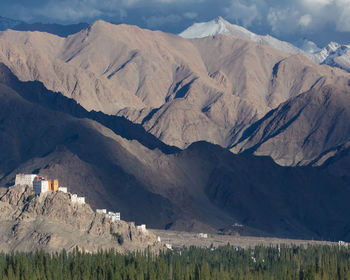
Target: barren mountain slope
point(52, 222)
point(204, 187)
point(181, 90)
point(303, 129)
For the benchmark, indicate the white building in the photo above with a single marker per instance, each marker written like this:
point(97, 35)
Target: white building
point(62, 189)
point(203, 235)
point(40, 185)
point(101, 211)
point(142, 227)
point(114, 216)
point(78, 199)
point(81, 200)
point(25, 179)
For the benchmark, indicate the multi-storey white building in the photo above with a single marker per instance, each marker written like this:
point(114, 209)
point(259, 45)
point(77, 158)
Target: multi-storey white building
point(113, 216)
point(25, 179)
point(78, 199)
point(40, 185)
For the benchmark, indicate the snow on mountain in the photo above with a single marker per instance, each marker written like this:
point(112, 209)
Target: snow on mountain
point(333, 54)
point(7, 23)
point(222, 26)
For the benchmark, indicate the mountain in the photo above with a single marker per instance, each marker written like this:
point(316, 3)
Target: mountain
point(304, 129)
point(7, 23)
point(333, 54)
point(180, 90)
point(203, 187)
point(307, 46)
point(336, 55)
point(52, 28)
point(222, 26)
point(52, 222)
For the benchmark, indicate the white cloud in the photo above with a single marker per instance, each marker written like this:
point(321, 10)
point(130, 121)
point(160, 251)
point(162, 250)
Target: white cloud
point(277, 17)
point(190, 15)
point(283, 20)
point(242, 12)
point(316, 3)
point(305, 20)
point(285, 16)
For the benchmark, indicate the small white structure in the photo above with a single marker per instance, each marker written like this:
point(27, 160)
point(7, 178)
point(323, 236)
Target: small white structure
point(40, 185)
point(158, 239)
point(114, 216)
point(142, 227)
point(342, 243)
point(101, 211)
point(203, 235)
point(81, 200)
point(77, 199)
point(169, 246)
point(63, 189)
point(25, 179)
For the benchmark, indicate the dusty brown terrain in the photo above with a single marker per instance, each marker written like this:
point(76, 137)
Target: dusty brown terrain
point(52, 222)
point(179, 239)
point(307, 129)
point(203, 187)
point(180, 90)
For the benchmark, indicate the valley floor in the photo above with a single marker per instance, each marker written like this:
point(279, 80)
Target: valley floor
point(179, 239)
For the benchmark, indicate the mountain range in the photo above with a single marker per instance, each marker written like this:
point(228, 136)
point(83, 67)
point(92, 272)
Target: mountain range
point(167, 130)
point(202, 188)
point(333, 54)
point(180, 90)
point(53, 28)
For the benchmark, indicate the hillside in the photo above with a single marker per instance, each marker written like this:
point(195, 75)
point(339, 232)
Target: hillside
point(52, 222)
point(302, 130)
point(202, 188)
point(181, 91)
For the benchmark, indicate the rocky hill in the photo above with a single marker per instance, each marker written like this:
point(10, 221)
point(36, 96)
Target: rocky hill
point(52, 222)
point(117, 165)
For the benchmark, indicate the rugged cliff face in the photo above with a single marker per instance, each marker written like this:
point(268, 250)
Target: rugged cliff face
point(52, 222)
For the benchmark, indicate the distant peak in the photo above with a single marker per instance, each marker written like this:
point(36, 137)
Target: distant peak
point(100, 22)
point(220, 18)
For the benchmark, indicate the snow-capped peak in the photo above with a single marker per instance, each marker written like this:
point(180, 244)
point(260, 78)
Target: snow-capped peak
point(222, 26)
point(215, 27)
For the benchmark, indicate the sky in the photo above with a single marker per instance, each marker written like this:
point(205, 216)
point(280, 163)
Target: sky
point(321, 21)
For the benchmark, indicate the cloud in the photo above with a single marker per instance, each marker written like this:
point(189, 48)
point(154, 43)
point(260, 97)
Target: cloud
point(305, 20)
point(276, 17)
point(287, 17)
point(190, 15)
point(242, 13)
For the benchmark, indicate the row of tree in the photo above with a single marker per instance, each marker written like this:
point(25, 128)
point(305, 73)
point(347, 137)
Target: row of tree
point(313, 262)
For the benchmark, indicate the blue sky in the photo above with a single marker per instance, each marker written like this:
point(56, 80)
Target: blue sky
point(318, 20)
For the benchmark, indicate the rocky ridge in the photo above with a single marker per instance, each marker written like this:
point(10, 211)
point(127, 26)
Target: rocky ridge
point(180, 90)
point(52, 222)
